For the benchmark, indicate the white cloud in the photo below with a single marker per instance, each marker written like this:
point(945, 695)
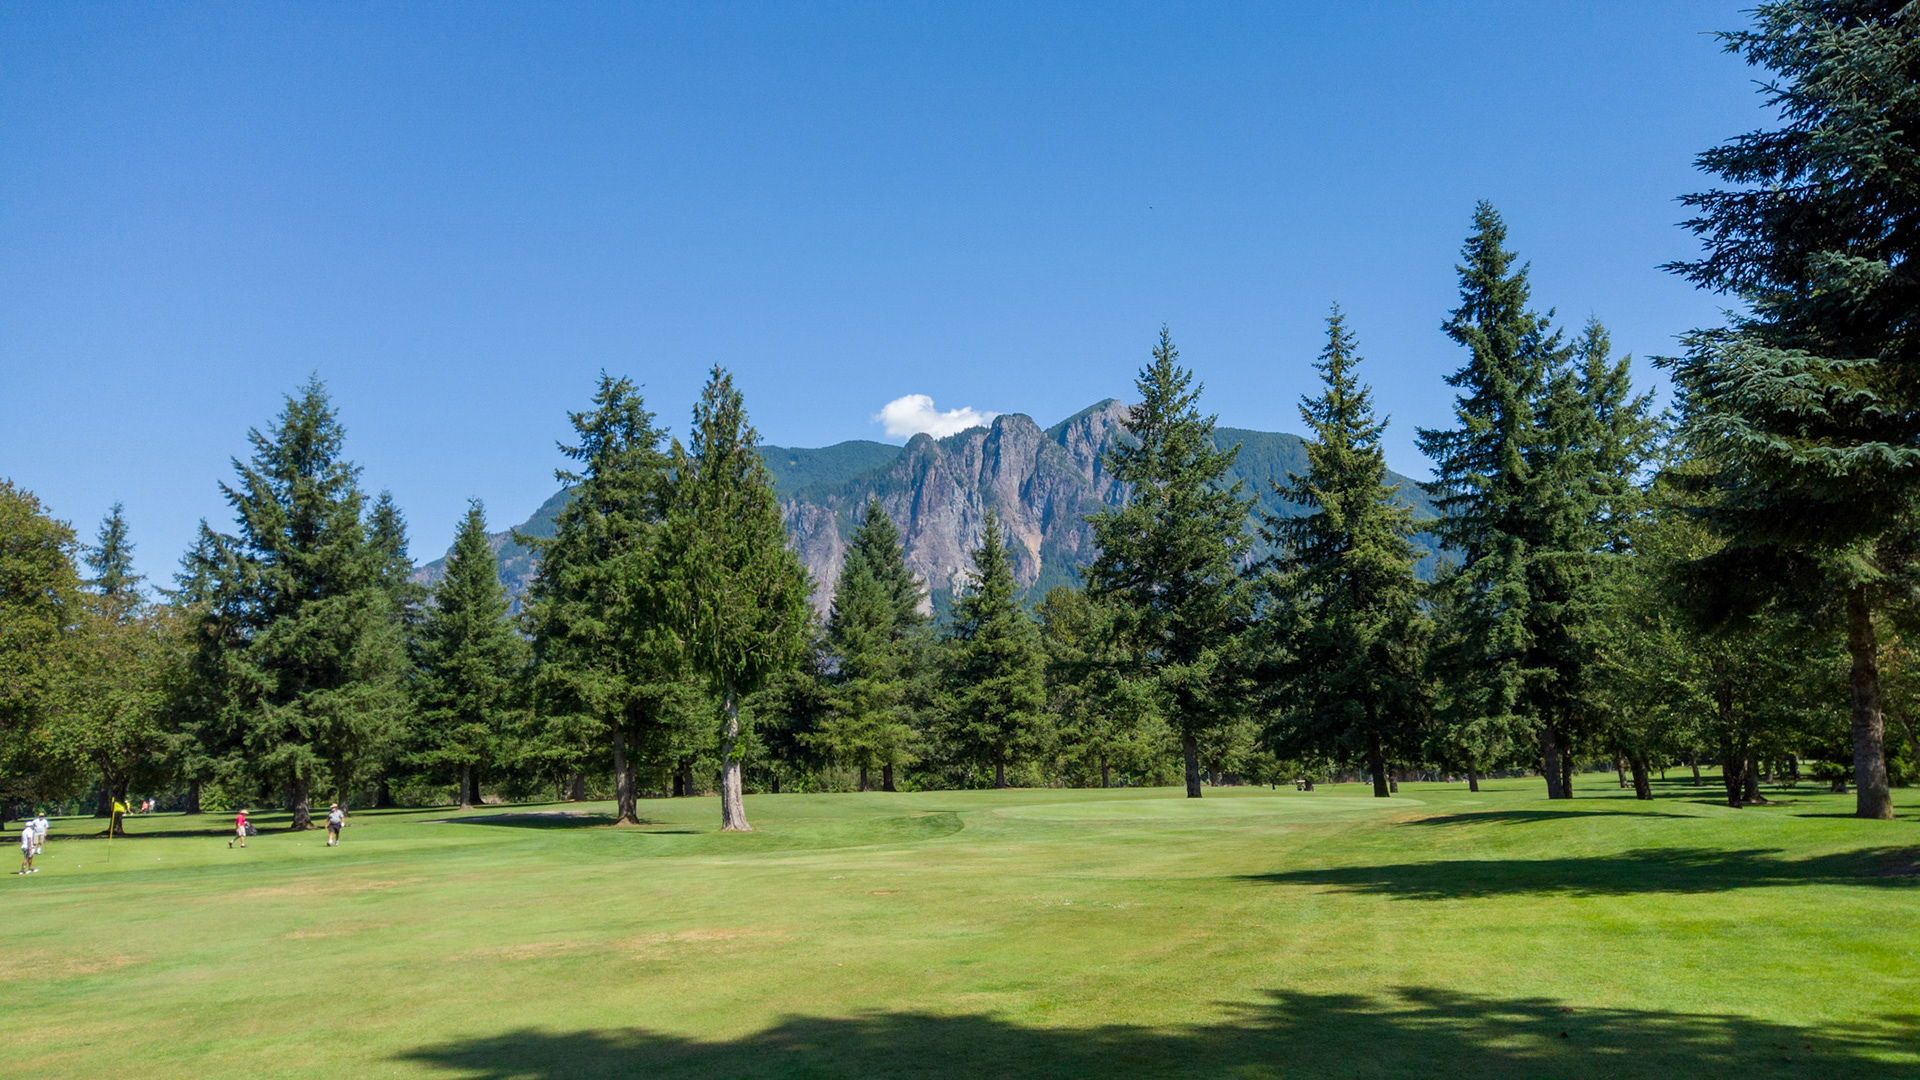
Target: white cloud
point(907, 416)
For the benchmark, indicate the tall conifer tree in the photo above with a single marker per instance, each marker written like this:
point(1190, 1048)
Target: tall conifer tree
point(740, 597)
point(1808, 404)
point(1495, 487)
point(874, 633)
point(607, 666)
point(996, 665)
point(469, 664)
point(1170, 557)
point(313, 656)
point(1351, 638)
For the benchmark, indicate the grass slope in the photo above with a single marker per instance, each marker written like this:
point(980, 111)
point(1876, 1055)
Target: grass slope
point(971, 934)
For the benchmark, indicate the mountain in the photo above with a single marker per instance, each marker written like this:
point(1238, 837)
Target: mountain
point(1042, 482)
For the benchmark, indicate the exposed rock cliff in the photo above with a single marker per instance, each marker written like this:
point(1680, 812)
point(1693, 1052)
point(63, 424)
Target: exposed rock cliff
point(1042, 482)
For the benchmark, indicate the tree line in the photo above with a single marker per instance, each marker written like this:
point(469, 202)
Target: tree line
point(1731, 581)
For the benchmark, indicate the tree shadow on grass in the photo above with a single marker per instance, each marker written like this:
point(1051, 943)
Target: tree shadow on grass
point(1414, 1032)
point(1517, 817)
point(1656, 870)
point(549, 819)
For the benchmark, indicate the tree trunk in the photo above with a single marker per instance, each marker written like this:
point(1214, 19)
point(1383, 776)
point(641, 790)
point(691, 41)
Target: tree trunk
point(1733, 767)
point(999, 771)
point(626, 803)
point(1872, 799)
point(863, 778)
point(1377, 765)
point(1793, 768)
point(300, 803)
point(576, 787)
point(1566, 774)
point(1642, 786)
point(193, 796)
point(1473, 778)
point(1550, 762)
point(1750, 784)
point(886, 778)
point(466, 785)
point(733, 800)
point(103, 806)
point(1106, 773)
point(1694, 760)
point(383, 794)
point(776, 783)
point(1190, 749)
point(1620, 771)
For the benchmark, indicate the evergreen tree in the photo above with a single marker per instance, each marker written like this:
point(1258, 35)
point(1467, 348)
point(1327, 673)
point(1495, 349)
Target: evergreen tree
point(470, 662)
point(39, 602)
point(1807, 404)
point(605, 664)
point(111, 561)
point(996, 666)
point(1105, 719)
point(875, 634)
point(313, 659)
point(1170, 558)
point(1511, 484)
point(740, 598)
point(1346, 604)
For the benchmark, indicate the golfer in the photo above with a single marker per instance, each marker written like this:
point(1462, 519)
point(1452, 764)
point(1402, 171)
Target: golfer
point(26, 849)
point(239, 829)
point(39, 833)
point(336, 817)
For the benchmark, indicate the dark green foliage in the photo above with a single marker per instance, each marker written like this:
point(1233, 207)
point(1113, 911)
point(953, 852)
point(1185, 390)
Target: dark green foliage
point(298, 610)
point(738, 598)
point(1807, 406)
point(1344, 632)
point(1103, 718)
point(1170, 558)
point(1535, 483)
point(995, 664)
point(876, 637)
point(797, 471)
point(111, 560)
point(469, 663)
point(606, 665)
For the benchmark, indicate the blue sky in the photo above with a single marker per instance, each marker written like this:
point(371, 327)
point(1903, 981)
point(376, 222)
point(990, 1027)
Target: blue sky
point(457, 214)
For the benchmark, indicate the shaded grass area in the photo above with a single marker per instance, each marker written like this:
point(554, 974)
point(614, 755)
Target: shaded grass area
point(1413, 1032)
point(1666, 870)
point(1254, 933)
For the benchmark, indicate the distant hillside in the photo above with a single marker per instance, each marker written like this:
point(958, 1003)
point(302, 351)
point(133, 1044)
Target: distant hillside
point(1043, 484)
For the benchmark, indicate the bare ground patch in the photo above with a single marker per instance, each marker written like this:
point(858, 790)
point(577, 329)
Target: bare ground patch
point(54, 968)
point(643, 945)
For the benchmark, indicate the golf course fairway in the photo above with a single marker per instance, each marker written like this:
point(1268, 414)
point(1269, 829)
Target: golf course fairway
point(1252, 933)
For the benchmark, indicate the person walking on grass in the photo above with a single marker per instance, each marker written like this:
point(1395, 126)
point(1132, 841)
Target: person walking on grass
point(239, 829)
point(26, 850)
point(39, 832)
point(336, 818)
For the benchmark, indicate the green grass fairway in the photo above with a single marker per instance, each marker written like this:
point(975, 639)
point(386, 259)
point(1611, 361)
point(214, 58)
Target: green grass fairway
point(986, 934)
